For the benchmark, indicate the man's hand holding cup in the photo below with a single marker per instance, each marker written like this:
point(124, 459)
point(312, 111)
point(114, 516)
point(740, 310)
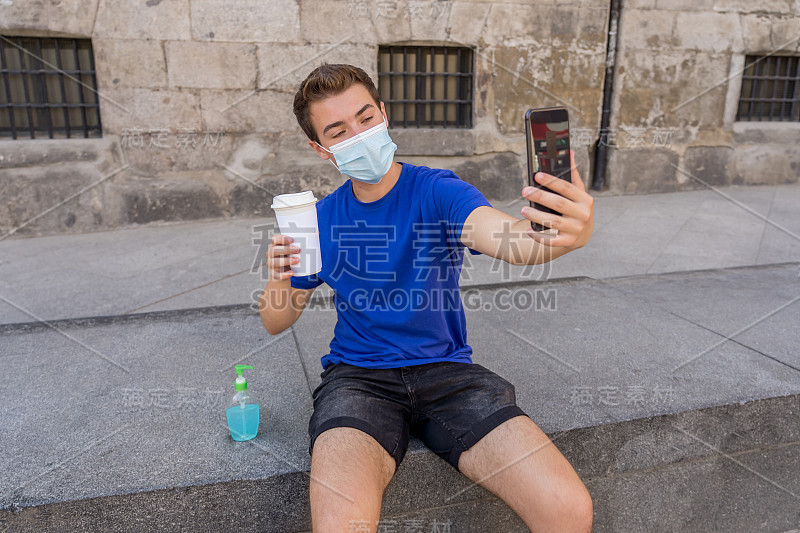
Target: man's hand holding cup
point(282, 253)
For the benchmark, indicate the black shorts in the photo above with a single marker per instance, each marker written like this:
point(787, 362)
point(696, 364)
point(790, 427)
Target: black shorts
point(449, 405)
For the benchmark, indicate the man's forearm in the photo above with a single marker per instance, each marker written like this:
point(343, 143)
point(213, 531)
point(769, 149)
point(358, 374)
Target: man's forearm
point(276, 307)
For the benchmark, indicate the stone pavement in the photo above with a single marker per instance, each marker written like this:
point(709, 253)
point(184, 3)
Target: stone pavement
point(199, 264)
point(662, 359)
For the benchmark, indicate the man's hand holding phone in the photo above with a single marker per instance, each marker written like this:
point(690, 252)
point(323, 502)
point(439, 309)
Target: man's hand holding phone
point(576, 221)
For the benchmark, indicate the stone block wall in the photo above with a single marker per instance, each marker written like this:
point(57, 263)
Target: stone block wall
point(679, 73)
point(196, 97)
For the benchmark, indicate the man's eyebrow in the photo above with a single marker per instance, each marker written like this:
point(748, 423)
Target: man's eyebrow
point(340, 123)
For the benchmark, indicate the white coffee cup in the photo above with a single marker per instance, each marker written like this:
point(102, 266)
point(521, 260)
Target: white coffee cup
point(297, 218)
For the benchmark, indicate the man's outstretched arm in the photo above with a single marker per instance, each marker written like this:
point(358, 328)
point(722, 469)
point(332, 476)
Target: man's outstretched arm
point(492, 232)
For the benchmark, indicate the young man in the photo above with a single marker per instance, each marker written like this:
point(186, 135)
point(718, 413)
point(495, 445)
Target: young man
point(392, 240)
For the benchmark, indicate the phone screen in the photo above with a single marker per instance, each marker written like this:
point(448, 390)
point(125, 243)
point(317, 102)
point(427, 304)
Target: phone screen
point(550, 139)
point(547, 132)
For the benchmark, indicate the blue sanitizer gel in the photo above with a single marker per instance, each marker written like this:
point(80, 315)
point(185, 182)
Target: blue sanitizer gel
point(242, 412)
point(243, 421)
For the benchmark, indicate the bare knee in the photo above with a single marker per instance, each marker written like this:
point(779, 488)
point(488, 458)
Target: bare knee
point(349, 473)
point(572, 510)
point(583, 510)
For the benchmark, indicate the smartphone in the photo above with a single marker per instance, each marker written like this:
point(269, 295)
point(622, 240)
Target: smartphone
point(547, 137)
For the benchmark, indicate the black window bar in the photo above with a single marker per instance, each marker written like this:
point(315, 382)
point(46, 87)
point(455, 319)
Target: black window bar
point(770, 89)
point(426, 86)
point(48, 88)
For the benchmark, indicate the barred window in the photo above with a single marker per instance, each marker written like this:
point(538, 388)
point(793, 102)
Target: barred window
point(770, 89)
point(48, 88)
point(426, 86)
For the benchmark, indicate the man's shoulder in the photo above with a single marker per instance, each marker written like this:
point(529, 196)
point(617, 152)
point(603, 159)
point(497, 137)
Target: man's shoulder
point(329, 200)
point(430, 172)
point(428, 177)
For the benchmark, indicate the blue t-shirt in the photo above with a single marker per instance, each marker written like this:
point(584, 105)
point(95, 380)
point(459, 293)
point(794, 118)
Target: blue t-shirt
point(394, 265)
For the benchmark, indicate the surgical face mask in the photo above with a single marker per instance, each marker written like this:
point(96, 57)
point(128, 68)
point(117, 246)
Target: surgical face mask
point(367, 156)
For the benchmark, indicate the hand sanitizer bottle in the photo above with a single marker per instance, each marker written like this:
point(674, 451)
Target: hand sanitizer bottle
point(243, 410)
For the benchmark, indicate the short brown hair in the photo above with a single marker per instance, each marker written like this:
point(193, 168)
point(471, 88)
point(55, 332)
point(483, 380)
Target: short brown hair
point(324, 81)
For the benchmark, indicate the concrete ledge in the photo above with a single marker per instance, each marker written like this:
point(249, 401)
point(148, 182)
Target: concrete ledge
point(660, 473)
point(22, 152)
point(676, 403)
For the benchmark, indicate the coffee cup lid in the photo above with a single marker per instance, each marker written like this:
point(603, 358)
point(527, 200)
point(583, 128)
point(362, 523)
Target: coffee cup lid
point(293, 199)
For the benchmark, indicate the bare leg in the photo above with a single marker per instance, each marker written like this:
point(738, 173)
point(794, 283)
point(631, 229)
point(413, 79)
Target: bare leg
point(349, 472)
point(517, 462)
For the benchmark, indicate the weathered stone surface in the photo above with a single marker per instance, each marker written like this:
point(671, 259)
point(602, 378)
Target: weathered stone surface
point(143, 19)
point(413, 141)
point(130, 63)
point(179, 68)
point(211, 65)
point(151, 153)
point(515, 79)
point(124, 109)
point(251, 201)
point(254, 197)
point(498, 176)
point(391, 22)
point(763, 6)
point(786, 33)
point(467, 21)
point(45, 17)
point(766, 132)
point(331, 21)
point(263, 166)
point(593, 26)
point(429, 21)
point(512, 24)
point(642, 170)
point(37, 152)
point(521, 78)
point(647, 93)
point(756, 32)
point(246, 21)
point(168, 200)
point(708, 163)
point(709, 32)
point(53, 198)
point(578, 72)
point(685, 5)
point(640, 4)
point(647, 28)
point(283, 67)
point(768, 163)
point(248, 111)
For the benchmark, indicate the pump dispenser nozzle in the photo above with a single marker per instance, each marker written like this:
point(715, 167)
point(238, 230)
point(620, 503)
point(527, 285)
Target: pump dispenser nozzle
point(241, 383)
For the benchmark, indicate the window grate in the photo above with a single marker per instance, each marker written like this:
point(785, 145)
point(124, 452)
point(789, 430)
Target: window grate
point(770, 89)
point(426, 86)
point(48, 88)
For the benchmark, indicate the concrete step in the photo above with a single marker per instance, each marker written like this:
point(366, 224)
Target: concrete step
point(725, 468)
point(675, 396)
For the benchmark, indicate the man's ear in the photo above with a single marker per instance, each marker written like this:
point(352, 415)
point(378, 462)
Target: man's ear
point(383, 110)
point(320, 152)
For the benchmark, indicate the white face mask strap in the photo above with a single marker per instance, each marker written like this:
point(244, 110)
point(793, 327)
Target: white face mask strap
point(315, 142)
point(331, 158)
